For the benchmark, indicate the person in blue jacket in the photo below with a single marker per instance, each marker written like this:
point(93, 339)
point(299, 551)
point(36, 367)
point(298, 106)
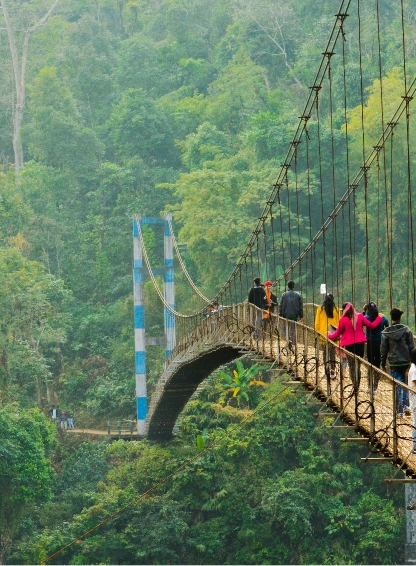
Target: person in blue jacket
point(374, 339)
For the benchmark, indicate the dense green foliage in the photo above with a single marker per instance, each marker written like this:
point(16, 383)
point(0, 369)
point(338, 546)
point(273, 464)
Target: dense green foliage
point(145, 107)
point(281, 489)
point(26, 472)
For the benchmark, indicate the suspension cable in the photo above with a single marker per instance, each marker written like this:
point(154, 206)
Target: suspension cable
point(358, 178)
point(319, 77)
point(182, 264)
point(388, 225)
point(152, 277)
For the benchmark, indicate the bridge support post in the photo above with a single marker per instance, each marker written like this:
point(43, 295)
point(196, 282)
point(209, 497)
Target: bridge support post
point(139, 336)
point(410, 546)
point(169, 288)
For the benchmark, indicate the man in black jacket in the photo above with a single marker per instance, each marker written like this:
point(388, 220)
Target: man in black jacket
point(257, 296)
point(397, 344)
point(291, 307)
point(291, 303)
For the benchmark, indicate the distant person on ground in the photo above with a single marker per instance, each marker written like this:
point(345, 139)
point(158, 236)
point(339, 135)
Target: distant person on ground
point(270, 301)
point(256, 297)
point(64, 422)
point(353, 339)
point(291, 308)
point(326, 321)
point(397, 344)
point(71, 421)
point(412, 396)
point(370, 311)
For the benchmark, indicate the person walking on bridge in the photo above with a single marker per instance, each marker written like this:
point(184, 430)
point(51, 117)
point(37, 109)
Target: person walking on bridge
point(353, 339)
point(374, 336)
point(370, 311)
point(411, 382)
point(327, 320)
point(256, 297)
point(270, 301)
point(291, 303)
point(397, 343)
point(291, 308)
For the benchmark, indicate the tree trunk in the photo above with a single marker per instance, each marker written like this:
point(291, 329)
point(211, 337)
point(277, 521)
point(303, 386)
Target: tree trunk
point(19, 72)
point(5, 542)
point(18, 109)
point(17, 142)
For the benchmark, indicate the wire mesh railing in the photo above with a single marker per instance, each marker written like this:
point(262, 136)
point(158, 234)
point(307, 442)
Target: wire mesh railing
point(361, 395)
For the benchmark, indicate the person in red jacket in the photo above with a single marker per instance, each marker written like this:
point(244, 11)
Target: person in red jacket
point(353, 339)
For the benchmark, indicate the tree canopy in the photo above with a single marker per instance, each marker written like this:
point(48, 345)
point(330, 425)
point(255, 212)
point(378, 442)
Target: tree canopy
point(129, 107)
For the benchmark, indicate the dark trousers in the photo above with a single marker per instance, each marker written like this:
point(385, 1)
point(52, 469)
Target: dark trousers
point(354, 363)
point(374, 357)
point(373, 353)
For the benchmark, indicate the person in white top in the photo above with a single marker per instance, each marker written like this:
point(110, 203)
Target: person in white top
point(411, 381)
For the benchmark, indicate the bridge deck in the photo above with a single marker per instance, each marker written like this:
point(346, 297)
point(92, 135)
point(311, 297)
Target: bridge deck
point(299, 349)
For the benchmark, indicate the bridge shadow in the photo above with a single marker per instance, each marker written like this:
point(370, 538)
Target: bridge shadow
point(182, 385)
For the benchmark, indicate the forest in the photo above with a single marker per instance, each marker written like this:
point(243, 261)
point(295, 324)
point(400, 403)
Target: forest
point(110, 108)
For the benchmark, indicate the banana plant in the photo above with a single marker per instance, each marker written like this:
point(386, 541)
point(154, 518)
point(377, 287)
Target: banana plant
point(241, 381)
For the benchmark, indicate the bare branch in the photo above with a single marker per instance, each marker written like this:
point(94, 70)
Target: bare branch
point(45, 18)
point(274, 18)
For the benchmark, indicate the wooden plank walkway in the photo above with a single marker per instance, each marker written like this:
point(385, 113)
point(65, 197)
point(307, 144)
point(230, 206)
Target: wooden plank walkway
point(298, 349)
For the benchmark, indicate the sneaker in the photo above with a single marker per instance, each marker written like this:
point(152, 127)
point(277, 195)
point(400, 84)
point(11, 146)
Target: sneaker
point(332, 376)
point(400, 415)
point(407, 412)
point(375, 390)
point(414, 450)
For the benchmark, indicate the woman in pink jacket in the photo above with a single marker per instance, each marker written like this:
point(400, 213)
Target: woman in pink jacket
point(353, 338)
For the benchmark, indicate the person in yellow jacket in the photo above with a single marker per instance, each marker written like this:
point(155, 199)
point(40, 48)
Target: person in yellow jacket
point(326, 320)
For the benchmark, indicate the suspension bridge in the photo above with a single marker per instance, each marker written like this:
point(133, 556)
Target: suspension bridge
point(340, 213)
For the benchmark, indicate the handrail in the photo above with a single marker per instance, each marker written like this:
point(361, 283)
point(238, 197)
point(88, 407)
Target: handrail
point(314, 359)
point(122, 428)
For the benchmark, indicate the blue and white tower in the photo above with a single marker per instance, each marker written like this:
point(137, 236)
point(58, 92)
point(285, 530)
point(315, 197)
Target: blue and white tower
point(139, 336)
point(169, 288)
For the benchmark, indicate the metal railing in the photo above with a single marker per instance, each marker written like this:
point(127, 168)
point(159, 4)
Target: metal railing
point(122, 427)
point(362, 395)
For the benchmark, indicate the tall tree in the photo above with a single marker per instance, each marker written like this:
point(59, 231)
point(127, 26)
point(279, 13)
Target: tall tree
point(19, 71)
point(26, 473)
point(275, 20)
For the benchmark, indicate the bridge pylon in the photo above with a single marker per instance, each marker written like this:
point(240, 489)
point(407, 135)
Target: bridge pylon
point(140, 340)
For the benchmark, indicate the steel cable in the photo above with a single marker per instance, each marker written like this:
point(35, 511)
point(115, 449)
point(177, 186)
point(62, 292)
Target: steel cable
point(152, 277)
point(182, 264)
point(358, 178)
